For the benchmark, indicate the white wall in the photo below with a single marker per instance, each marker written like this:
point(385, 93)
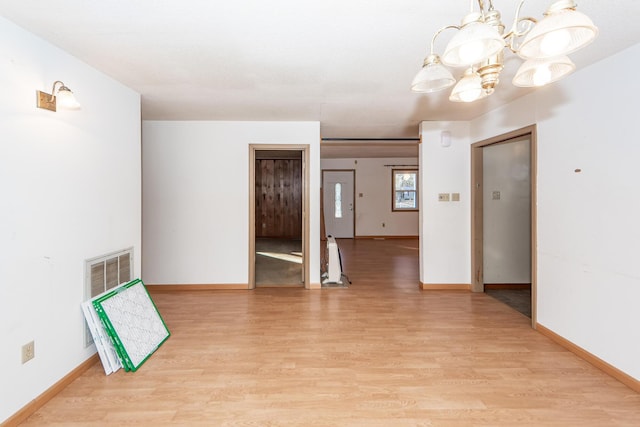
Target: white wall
point(373, 181)
point(445, 245)
point(507, 219)
point(70, 185)
point(588, 229)
point(196, 198)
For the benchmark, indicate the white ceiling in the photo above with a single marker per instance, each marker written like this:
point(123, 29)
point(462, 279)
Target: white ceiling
point(345, 63)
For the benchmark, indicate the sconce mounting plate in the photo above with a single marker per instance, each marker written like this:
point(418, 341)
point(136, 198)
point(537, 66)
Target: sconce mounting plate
point(45, 101)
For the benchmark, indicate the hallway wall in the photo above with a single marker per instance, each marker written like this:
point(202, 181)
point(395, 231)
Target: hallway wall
point(445, 242)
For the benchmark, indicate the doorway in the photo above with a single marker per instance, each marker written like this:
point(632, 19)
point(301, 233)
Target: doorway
point(278, 223)
point(503, 200)
point(338, 188)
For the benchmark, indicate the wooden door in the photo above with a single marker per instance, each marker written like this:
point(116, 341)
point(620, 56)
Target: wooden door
point(278, 192)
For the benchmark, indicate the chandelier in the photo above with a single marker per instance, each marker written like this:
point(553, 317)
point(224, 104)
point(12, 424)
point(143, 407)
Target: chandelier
point(481, 39)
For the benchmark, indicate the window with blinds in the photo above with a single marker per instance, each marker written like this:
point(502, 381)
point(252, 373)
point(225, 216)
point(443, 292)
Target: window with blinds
point(404, 195)
point(106, 272)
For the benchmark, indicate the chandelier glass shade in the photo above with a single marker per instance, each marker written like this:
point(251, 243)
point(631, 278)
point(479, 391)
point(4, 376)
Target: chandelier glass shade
point(474, 42)
point(563, 31)
point(536, 72)
point(481, 39)
point(469, 88)
point(432, 77)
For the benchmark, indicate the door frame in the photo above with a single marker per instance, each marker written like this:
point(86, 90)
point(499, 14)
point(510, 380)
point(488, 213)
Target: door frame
point(477, 237)
point(304, 149)
point(353, 171)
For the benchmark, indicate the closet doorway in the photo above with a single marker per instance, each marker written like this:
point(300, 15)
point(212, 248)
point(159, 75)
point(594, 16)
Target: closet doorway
point(503, 231)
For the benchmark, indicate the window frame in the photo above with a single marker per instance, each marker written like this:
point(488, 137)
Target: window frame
point(394, 172)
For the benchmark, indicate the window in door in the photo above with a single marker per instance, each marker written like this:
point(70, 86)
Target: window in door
point(405, 190)
point(338, 200)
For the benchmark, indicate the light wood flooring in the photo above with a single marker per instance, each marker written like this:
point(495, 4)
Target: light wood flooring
point(379, 353)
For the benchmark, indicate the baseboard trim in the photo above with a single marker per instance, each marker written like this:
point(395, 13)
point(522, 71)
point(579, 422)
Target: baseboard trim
point(211, 287)
point(385, 237)
point(31, 407)
point(198, 287)
point(445, 286)
point(605, 367)
point(509, 286)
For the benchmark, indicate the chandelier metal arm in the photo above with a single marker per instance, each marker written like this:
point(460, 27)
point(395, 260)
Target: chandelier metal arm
point(482, 8)
point(514, 33)
point(433, 39)
point(481, 5)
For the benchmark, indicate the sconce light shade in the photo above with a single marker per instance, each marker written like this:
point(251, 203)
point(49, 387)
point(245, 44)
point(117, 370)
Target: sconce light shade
point(432, 77)
point(63, 98)
point(66, 100)
point(562, 31)
point(534, 73)
point(445, 138)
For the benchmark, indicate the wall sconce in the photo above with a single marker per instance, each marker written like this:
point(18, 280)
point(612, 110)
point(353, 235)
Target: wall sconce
point(445, 138)
point(63, 98)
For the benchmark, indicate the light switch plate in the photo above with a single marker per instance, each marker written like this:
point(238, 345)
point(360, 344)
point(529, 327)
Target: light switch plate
point(28, 351)
point(443, 197)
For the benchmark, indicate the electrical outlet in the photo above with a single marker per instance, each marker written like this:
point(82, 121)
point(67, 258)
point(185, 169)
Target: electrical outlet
point(28, 351)
point(443, 197)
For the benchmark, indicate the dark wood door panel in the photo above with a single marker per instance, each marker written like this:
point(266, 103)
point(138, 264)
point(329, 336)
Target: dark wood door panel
point(278, 198)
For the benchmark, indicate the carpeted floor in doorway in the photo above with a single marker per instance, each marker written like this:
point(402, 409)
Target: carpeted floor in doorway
point(518, 299)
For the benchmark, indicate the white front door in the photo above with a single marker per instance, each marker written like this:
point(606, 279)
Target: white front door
point(338, 189)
